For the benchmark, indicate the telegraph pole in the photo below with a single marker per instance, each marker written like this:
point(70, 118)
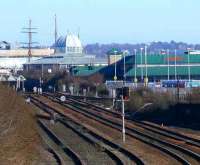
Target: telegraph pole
point(30, 33)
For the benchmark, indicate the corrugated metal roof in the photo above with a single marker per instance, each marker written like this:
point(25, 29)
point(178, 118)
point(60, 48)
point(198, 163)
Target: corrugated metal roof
point(68, 59)
point(163, 71)
point(86, 70)
point(163, 59)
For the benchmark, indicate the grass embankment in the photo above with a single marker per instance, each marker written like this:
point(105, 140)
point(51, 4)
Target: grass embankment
point(19, 139)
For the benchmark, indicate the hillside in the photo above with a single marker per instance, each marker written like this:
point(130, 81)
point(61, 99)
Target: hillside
point(19, 138)
point(153, 48)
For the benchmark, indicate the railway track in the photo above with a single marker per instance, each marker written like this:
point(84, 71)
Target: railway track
point(186, 156)
point(56, 155)
point(148, 126)
point(113, 150)
point(172, 154)
point(91, 154)
point(76, 160)
point(57, 152)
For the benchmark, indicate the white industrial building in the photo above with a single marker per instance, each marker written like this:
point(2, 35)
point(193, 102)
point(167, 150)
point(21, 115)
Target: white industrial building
point(14, 63)
point(14, 59)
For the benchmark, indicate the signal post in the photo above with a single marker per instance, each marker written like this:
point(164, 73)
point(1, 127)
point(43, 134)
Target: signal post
point(122, 95)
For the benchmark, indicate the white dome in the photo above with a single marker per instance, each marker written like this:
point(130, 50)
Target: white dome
point(73, 41)
point(73, 44)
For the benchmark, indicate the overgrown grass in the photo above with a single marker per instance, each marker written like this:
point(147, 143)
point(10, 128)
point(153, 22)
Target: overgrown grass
point(142, 96)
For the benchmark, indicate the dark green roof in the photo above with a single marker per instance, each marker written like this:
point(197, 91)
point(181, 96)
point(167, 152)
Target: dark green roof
point(86, 70)
point(157, 66)
point(163, 71)
point(163, 59)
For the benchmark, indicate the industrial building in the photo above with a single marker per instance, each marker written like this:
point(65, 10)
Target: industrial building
point(153, 67)
point(69, 53)
point(15, 58)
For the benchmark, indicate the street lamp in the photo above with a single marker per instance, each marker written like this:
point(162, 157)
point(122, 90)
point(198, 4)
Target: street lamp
point(141, 63)
point(115, 77)
point(135, 77)
point(175, 66)
point(168, 64)
point(124, 54)
point(146, 78)
point(188, 64)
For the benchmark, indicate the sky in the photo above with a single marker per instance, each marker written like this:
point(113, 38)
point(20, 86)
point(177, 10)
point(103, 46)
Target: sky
point(103, 21)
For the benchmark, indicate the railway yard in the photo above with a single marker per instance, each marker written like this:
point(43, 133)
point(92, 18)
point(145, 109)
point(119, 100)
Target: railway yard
point(45, 129)
point(80, 132)
point(100, 83)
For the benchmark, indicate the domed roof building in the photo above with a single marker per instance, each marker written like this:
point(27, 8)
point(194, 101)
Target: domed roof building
point(68, 54)
point(71, 44)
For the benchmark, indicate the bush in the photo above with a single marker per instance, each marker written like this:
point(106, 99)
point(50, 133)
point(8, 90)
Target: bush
point(162, 101)
point(194, 96)
point(102, 90)
point(141, 96)
point(135, 102)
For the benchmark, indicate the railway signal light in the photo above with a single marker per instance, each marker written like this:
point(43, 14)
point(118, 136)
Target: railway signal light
point(123, 92)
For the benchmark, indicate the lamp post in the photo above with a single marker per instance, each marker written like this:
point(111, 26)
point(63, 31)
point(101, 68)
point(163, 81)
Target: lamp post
point(168, 64)
point(175, 66)
point(124, 54)
point(115, 77)
point(141, 63)
point(189, 64)
point(146, 78)
point(135, 62)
